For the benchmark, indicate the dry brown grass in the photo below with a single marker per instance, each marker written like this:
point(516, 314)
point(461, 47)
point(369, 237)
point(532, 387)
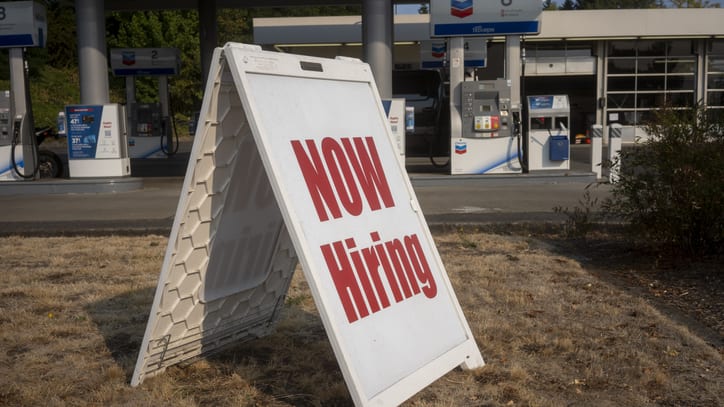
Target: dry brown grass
point(73, 311)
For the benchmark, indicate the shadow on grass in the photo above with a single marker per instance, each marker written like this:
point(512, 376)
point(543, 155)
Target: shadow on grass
point(295, 364)
point(122, 321)
point(684, 289)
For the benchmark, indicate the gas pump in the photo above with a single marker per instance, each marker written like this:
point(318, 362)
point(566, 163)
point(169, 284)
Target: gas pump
point(490, 128)
point(548, 135)
point(149, 124)
point(97, 144)
point(6, 137)
point(24, 25)
point(397, 116)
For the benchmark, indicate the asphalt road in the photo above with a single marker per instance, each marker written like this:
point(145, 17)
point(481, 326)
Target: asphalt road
point(444, 199)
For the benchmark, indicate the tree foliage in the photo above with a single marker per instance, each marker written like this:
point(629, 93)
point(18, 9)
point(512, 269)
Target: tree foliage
point(167, 28)
point(62, 48)
point(179, 29)
point(614, 4)
point(671, 189)
point(694, 4)
point(628, 4)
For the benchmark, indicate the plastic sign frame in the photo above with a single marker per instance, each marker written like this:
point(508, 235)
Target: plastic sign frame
point(299, 149)
point(458, 18)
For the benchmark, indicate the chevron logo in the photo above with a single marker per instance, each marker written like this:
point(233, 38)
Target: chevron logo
point(461, 8)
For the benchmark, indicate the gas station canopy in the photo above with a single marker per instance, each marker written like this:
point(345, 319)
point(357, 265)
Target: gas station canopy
point(136, 5)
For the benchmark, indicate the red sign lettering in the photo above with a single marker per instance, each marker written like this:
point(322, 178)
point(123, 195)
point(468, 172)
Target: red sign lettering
point(362, 288)
point(335, 177)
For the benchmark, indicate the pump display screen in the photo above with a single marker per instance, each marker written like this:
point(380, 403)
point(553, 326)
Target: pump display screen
point(541, 102)
point(482, 95)
point(548, 102)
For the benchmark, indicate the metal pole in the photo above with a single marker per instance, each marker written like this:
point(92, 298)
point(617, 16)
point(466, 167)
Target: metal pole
point(131, 106)
point(601, 88)
point(512, 68)
point(164, 101)
point(456, 50)
point(21, 108)
point(596, 149)
point(377, 41)
point(208, 36)
point(92, 63)
point(614, 150)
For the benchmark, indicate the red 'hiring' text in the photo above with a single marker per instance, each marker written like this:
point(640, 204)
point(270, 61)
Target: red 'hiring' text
point(341, 175)
point(352, 164)
point(365, 278)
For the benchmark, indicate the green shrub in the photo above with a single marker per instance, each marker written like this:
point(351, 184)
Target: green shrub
point(671, 188)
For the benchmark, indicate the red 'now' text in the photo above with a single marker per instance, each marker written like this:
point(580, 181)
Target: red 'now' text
point(366, 277)
point(336, 176)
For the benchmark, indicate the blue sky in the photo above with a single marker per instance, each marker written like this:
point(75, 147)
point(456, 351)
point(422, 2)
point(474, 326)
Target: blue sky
point(406, 8)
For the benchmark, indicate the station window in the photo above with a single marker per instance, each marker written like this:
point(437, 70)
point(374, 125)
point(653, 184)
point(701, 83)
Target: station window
point(644, 75)
point(559, 49)
point(716, 99)
point(622, 66)
point(621, 101)
point(715, 75)
point(622, 49)
point(716, 81)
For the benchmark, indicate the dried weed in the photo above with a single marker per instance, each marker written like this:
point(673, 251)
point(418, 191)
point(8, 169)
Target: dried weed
point(73, 312)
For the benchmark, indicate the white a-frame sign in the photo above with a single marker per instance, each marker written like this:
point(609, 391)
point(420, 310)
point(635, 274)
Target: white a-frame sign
point(293, 156)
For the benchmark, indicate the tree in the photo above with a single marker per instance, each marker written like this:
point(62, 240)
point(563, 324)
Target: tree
point(168, 28)
point(614, 4)
point(568, 5)
point(234, 25)
point(62, 49)
point(693, 4)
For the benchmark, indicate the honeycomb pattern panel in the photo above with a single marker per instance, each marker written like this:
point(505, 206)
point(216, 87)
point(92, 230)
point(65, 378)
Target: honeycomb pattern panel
point(231, 259)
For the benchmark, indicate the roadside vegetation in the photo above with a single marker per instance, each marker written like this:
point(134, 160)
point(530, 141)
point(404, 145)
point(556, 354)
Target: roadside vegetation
point(551, 329)
point(671, 188)
point(670, 191)
point(622, 309)
point(53, 70)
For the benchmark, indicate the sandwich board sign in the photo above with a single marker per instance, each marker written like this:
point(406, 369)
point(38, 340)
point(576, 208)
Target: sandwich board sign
point(456, 18)
point(294, 161)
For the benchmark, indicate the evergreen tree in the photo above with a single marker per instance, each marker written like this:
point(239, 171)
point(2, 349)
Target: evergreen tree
point(614, 4)
point(568, 5)
point(167, 28)
point(62, 48)
point(694, 4)
point(235, 25)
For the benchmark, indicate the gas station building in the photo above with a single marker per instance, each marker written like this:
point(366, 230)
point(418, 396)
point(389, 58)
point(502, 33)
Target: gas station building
point(615, 65)
point(612, 66)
